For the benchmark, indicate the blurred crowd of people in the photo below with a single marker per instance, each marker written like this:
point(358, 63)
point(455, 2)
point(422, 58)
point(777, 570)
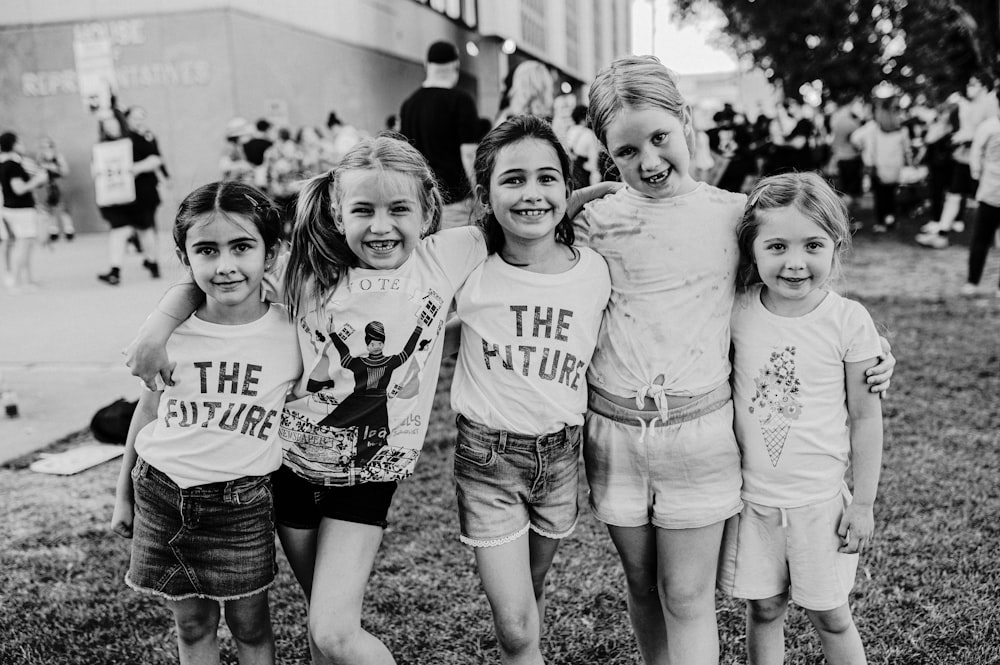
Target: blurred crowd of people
point(277, 159)
point(912, 159)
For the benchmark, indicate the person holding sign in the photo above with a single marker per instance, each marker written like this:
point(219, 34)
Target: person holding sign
point(124, 168)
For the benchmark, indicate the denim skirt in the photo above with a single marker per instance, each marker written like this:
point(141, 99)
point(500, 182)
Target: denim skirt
point(211, 541)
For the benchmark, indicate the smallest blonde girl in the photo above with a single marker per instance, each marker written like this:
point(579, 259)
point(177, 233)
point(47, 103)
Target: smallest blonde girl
point(803, 416)
point(194, 492)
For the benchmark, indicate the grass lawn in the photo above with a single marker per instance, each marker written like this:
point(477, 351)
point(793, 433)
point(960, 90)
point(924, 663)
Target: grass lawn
point(927, 592)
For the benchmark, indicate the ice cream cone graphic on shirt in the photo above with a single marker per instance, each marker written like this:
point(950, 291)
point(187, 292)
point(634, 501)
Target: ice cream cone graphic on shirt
point(775, 402)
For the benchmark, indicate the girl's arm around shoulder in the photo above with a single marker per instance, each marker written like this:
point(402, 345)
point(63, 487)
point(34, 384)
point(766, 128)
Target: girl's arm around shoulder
point(458, 251)
point(865, 409)
point(274, 277)
point(147, 354)
point(124, 510)
point(452, 337)
point(590, 204)
point(581, 197)
point(879, 376)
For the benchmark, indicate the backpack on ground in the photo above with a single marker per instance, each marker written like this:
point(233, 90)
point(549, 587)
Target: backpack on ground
point(110, 423)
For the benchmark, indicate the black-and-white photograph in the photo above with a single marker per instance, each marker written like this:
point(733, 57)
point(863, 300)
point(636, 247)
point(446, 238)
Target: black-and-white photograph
point(447, 332)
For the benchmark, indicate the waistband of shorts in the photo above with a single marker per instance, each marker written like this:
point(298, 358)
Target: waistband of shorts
point(488, 435)
point(222, 488)
point(701, 405)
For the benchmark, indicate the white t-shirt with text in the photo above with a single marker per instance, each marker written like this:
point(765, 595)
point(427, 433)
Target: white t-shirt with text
point(527, 340)
point(220, 419)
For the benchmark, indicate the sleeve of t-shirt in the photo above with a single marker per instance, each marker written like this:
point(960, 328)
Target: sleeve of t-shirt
point(458, 252)
point(468, 120)
point(861, 340)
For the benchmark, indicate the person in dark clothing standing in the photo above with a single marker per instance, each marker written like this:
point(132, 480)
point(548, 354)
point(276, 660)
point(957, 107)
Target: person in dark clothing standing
point(442, 122)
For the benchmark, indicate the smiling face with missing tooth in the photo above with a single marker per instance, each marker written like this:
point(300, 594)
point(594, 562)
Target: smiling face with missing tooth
point(381, 217)
point(649, 145)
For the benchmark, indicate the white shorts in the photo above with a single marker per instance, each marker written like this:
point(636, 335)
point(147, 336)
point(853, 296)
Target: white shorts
point(681, 474)
point(768, 551)
point(21, 222)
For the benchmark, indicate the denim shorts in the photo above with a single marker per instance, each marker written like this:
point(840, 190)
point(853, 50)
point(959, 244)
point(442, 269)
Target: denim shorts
point(300, 504)
point(769, 551)
point(680, 474)
point(211, 541)
point(507, 483)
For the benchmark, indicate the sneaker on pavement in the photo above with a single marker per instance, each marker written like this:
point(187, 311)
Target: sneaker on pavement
point(932, 240)
point(969, 289)
point(110, 277)
point(930, 227)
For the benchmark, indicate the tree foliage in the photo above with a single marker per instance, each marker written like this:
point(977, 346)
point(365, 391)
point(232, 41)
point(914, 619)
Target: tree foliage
point(920, 46)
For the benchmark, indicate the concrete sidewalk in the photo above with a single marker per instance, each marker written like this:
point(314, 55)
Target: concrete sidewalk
point(60, 345)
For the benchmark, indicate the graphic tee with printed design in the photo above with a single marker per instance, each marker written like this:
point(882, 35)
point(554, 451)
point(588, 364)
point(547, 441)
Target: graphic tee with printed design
point(527, 339)
point(220, 419)
point(372, 354)
point(790, 399)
